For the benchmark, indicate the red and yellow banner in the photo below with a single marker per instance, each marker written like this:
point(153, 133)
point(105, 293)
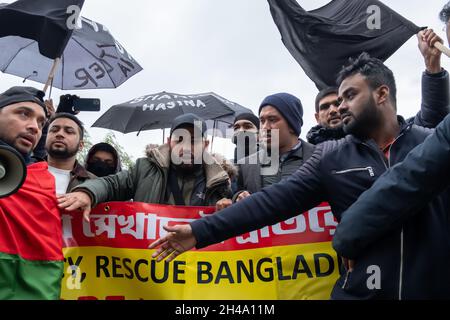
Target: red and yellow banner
point(108, 257)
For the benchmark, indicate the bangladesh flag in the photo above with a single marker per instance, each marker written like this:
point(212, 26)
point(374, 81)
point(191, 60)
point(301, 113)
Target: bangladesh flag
point(31, 259)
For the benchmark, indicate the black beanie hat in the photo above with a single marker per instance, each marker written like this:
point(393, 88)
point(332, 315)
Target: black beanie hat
point(188, 119)
point(248, 116)
point(290, 108)
point(23, 94)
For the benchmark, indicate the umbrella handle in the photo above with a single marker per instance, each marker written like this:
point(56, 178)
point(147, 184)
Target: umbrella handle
point(442, 48)
point(52, 74)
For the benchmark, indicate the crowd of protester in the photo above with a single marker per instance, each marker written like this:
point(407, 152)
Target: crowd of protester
point(385, 177)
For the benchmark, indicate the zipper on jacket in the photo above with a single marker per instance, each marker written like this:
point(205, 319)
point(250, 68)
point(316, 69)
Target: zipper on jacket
point(400, 284)
point(369, 169)
point(400, 281)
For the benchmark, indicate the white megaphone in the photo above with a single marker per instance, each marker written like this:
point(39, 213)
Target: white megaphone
point(13, 171)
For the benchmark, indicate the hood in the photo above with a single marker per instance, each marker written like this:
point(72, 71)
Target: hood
point(103, 146)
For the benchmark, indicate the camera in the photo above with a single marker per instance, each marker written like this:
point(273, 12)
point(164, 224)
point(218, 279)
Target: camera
point(73, 104)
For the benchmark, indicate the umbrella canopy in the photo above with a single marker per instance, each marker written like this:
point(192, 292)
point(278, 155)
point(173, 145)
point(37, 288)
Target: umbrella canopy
point(92, 59)
point(157, 111)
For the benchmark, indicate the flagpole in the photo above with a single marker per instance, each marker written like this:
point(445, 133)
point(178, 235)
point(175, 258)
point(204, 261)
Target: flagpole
point(52, 74)
point(442, 48)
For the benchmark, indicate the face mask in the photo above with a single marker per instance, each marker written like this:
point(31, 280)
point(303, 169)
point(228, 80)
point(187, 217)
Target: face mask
point(100, 168)
point(246, 143)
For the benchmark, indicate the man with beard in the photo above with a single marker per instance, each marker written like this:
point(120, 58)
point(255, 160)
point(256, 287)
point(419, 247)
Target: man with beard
point(64, 141)
point(329, 123)
point(180, 172)
point(338, 172)
point(31, 259)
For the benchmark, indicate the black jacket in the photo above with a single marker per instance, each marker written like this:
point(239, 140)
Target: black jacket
point(407, 212)
point(337, 172)
point(250, 178)
point(432, 110)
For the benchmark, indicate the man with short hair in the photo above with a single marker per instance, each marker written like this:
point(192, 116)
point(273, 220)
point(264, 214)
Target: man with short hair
point(64, 141)
point(180, 172)
point(339, 172)
point(31, 259)
point(329, 124)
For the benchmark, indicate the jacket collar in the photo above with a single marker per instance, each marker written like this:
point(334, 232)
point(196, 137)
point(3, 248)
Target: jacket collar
point(79, 171)
point(404, 127)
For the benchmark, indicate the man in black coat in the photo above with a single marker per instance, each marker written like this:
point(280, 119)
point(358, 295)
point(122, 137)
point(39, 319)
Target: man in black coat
point(413, 197)
point(339, 172)
point(329, 123)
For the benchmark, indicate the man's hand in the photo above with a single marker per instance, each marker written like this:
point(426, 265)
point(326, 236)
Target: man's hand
point(427, 38)
point(243, 195)
point(179, 239)
point(76, 200)
point(50, 107)
point(223, 203)
point(348, 264)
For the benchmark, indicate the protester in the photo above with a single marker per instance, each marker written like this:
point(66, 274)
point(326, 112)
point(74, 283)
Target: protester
point(445, 17)
point(64, 141)
point(180, 172)
point(329, 124)
point(338, 172)
point(281, 113)
point(31, 259)
point(407, 210)
point(245, 137)
point(102, 160)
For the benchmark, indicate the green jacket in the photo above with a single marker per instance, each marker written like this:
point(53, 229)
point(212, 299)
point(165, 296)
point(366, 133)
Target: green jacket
point(147, 181)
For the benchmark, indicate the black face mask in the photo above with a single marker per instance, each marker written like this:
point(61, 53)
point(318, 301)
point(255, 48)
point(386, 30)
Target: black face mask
point(100, 168)
point(246, 144)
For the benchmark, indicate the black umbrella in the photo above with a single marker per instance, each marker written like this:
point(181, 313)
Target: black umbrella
point(157, 111)
point(92, 59)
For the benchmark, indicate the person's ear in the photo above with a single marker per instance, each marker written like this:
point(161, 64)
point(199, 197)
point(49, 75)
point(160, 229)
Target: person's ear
point(168, 140)
point(382, 94)
point(317, 116)
point(81, 145)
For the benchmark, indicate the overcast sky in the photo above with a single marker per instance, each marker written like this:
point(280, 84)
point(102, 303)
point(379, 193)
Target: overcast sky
point(231, 47)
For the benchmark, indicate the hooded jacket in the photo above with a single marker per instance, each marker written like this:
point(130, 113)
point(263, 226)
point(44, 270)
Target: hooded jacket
point(339, 172)
point(147, 181)
point(102, 146)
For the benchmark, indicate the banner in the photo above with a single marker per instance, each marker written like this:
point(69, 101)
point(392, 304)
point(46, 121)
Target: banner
point(108, 257)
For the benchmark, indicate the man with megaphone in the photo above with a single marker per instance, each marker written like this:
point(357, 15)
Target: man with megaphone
point(31, 260)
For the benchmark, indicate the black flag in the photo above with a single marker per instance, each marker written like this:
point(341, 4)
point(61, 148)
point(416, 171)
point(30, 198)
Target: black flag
point(49, 22)
point(322, 40)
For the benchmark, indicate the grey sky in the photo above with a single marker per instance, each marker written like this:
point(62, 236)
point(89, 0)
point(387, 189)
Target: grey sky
point(231, 47)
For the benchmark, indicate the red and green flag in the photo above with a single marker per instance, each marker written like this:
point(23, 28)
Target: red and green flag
point(31, 259)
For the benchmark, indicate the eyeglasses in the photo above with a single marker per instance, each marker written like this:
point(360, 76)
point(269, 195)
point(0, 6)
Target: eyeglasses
point(326, 106)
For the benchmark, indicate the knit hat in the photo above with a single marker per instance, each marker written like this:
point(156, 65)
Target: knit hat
point(290, 108)
point(189, 119)
point(249, 117)
point(23, 94)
